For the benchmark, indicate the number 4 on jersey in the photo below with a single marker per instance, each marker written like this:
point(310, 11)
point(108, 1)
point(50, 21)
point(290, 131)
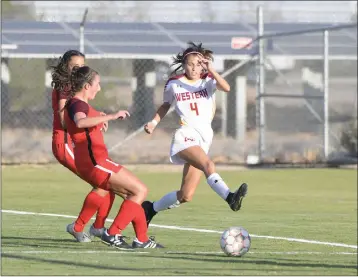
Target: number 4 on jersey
point(194, 107)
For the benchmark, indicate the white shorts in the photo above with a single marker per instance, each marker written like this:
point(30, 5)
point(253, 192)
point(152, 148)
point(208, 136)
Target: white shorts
point(185, 137)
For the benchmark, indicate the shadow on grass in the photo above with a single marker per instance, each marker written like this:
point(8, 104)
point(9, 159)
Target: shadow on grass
point(11, 241)
point(165, 270)
point(59, 262)
point(260, 262)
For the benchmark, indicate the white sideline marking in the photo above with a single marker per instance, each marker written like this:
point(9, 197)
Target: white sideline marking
point(72, 252)
point(275, 253)
point(174, 252)
point(197, 230)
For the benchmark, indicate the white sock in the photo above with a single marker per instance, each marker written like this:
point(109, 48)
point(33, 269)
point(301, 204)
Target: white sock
point(168, 201)
point(218, 185)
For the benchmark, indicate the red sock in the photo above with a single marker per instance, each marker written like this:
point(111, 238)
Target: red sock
point(140, 226)
point(91, 204)
point(104, 210)
point(126, 214)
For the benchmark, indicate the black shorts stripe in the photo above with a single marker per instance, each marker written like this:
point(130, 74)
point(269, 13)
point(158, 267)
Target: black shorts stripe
point(89, 141)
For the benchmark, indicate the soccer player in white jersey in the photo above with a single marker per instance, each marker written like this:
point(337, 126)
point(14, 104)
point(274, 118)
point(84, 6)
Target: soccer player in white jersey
point(193, 94)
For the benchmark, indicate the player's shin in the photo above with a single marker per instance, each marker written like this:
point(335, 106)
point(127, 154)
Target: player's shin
point(140, 226)
point(218, 185)
point(168, 201)
point(91, 204)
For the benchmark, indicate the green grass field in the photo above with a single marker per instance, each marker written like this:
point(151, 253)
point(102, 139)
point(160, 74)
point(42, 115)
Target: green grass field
point(314, 204)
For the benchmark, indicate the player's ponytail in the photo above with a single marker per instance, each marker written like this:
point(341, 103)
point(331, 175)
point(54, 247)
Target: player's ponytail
point(61, 73)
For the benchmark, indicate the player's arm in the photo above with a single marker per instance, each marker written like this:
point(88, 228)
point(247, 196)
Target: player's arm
point(83, 121)
point(159, 115)
point(79, 111)
point(61, 112)
point(221, 83)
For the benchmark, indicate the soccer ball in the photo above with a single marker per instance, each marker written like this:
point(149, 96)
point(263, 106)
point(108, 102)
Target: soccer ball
point(235, 241)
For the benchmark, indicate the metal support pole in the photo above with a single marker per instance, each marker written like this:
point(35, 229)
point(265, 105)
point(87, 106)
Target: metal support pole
point(82, 39)
point(82, 32)
point(260, 104)
point(223, 114)
point(240, 104)
point(326, 92)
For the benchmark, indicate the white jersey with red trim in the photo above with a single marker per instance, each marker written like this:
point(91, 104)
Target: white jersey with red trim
point(194, 101)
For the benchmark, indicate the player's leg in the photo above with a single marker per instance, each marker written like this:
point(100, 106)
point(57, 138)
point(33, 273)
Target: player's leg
point(197, 157)
point(190, 181)
point(97, 200)
point(97, 228)
point(125, 182)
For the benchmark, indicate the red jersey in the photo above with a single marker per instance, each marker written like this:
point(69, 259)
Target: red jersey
point(58, 134)
point(89, 146)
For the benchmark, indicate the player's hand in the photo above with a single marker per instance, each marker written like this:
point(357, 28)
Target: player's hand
point(206, 64)
point(104, 127)
point(105, 124)
point(121, 115)
point(149, 127)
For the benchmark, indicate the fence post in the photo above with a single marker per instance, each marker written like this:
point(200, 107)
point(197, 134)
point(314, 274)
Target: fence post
point(326, 92)
point(223, 114)
point(82, 32)
point(260, 104)
point(241, 104)
point(5, 80)
point(48, 87)
point(143, 85)
point(232, 112)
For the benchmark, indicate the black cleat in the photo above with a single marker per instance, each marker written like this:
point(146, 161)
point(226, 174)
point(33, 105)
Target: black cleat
point(235, 199)
point(149, 211)
point(116, 241)
point(151, 243)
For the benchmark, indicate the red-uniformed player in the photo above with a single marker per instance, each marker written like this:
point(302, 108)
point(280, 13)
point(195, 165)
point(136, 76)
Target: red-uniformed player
point(97, 200)
point(94, 165)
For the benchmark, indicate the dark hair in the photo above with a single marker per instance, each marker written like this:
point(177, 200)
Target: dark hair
point(192, 47)
point(60, 72)
point(79, 77)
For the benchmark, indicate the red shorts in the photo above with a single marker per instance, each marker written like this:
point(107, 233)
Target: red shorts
point(63, 152)
point(98, 175)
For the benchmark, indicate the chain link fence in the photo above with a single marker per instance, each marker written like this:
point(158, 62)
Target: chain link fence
point(126, 84)
point(294, 105)
point(294, 126)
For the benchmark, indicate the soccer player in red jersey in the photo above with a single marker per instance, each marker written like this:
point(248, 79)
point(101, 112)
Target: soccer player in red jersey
point(94, 165)
point(97, 200)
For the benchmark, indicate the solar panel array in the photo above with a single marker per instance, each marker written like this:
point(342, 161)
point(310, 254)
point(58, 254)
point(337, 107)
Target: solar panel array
point(48, 39)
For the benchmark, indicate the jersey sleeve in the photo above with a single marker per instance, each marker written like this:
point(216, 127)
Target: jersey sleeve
point(77, 107)
point(168, 95)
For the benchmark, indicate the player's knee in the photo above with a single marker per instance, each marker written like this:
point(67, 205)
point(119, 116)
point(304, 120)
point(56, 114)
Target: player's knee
point(142, 191)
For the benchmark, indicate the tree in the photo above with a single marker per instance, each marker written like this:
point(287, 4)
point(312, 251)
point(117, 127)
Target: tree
point(16, 11)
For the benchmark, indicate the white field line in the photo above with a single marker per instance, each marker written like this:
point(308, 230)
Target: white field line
point(175, 253)
point(72, 252)
point(271, 253)
point(197, 230)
